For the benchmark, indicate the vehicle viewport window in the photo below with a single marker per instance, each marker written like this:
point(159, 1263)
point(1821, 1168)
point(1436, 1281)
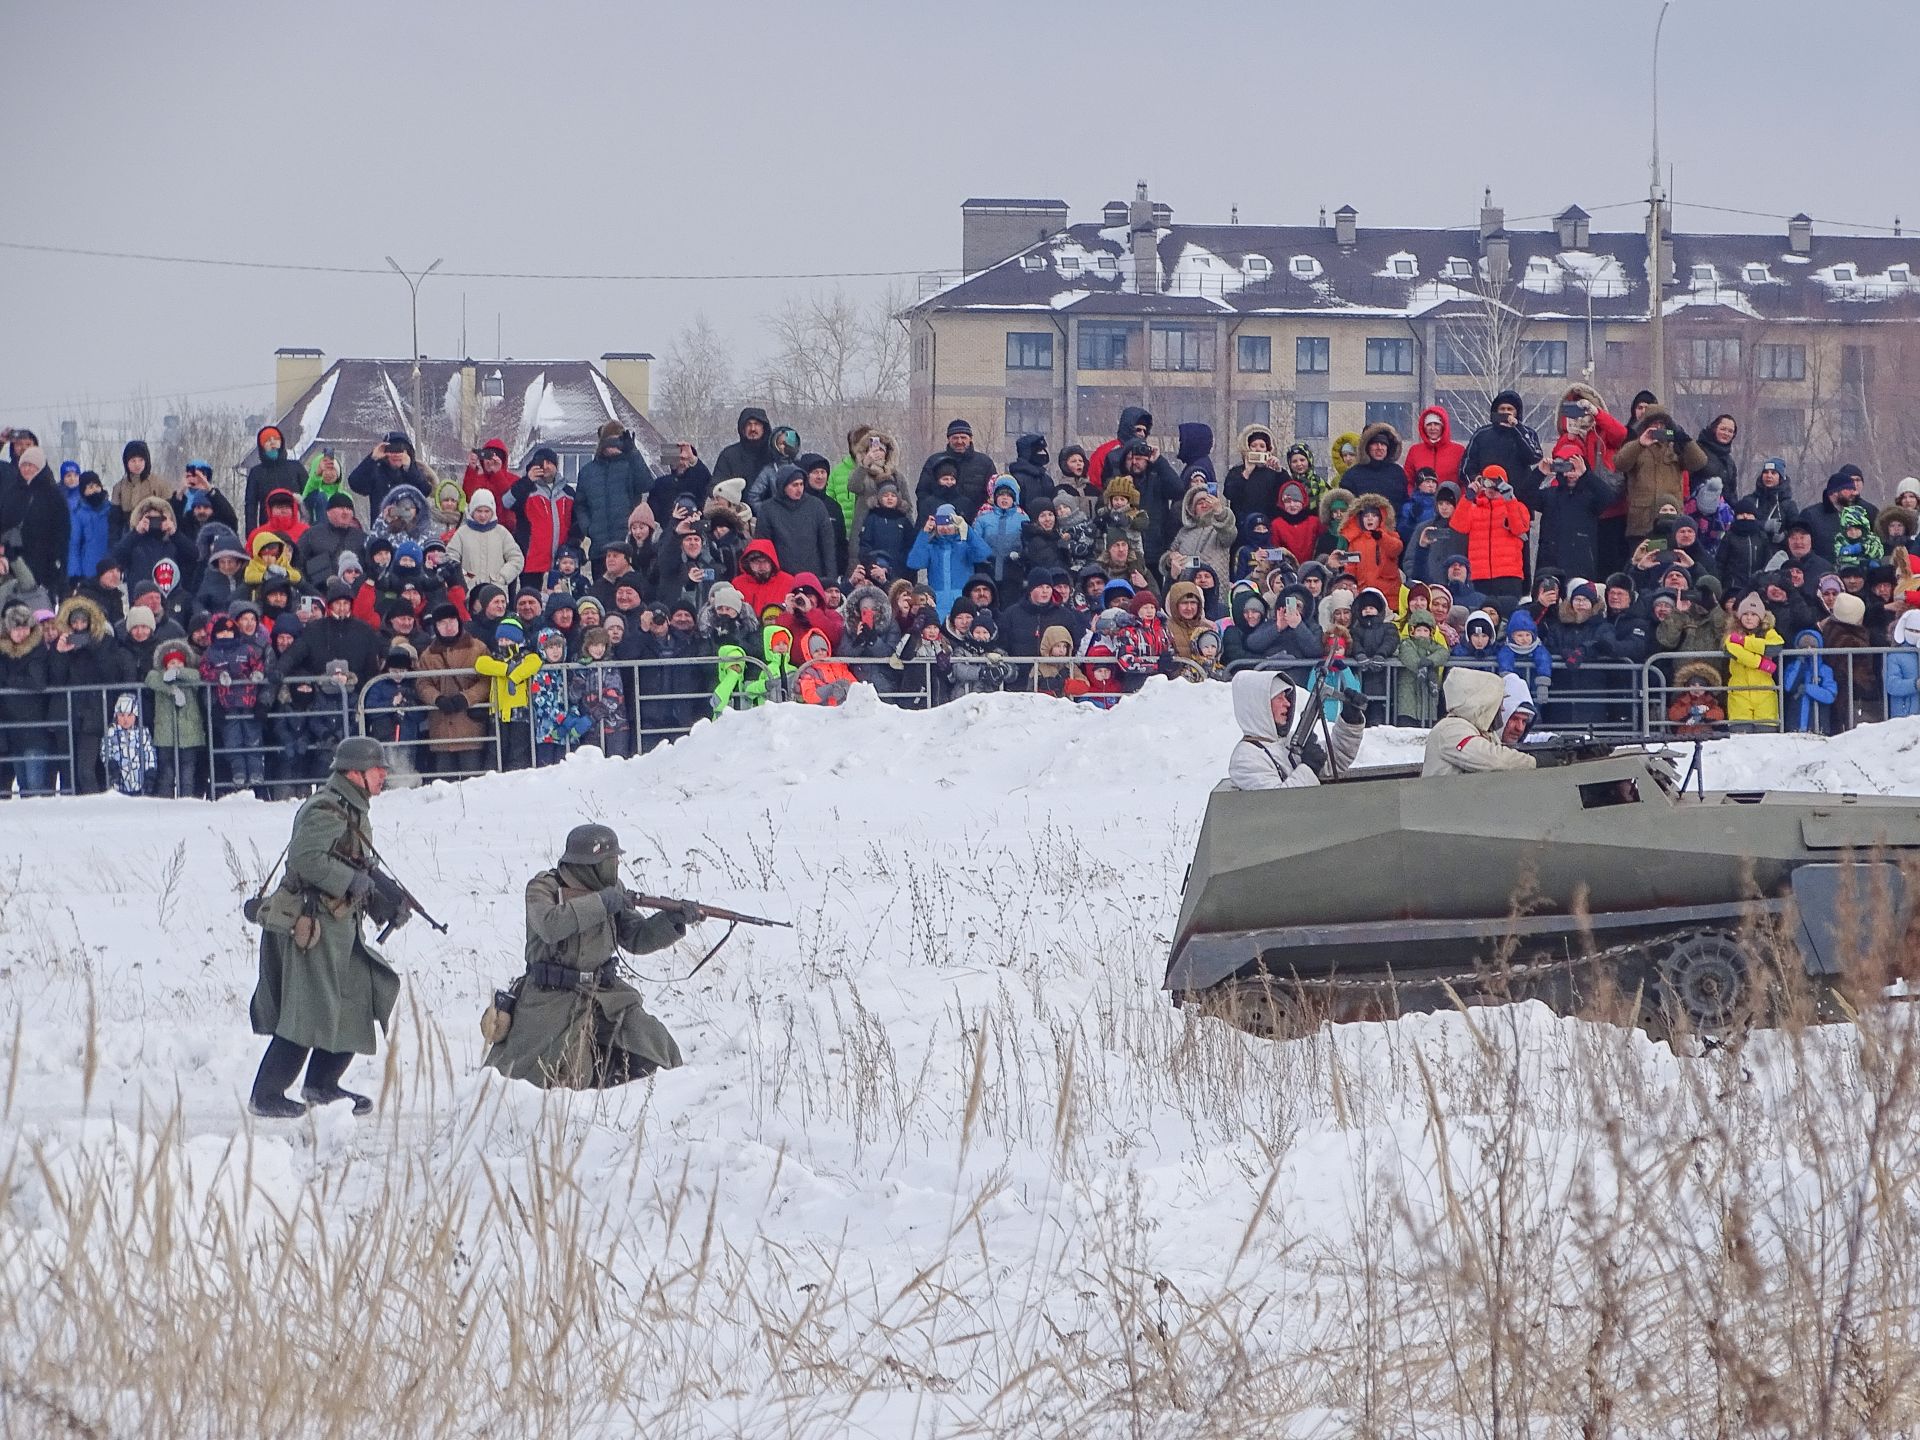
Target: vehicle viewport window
point(1608, 792)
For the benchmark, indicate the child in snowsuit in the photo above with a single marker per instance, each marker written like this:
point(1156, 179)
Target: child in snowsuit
point(1695, 713)
point(554, 730)
point(236, 666)
point(1525, 656)
point(508, 669)
point(1423, 664)
point(126, 750)
point(597, 691)
point(1810, 686)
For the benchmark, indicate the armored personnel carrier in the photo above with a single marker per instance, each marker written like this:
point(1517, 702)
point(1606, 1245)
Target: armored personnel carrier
point(1595, 876)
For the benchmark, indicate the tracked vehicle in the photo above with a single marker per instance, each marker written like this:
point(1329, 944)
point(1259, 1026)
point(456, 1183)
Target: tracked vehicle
point(1596, 875)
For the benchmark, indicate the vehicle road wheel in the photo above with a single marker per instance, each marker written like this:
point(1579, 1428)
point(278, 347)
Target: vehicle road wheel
point(1259, 1005)
point(1707, 987)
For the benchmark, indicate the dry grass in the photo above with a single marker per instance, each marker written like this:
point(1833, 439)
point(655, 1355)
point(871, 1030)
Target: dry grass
point(1484, 1224)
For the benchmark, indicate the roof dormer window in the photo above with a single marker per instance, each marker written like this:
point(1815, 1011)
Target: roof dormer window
point(1756, 274)
point(1258, 265)
point(494, 386)
point(1305, 266)
point(1703, 275)
point(1539, 268)
point(1900, 275)
point(1106, 264)
point(1458, 269)
point(1843, 274)
point(1403, 267)
point(1033, 262)
point(1068, 264)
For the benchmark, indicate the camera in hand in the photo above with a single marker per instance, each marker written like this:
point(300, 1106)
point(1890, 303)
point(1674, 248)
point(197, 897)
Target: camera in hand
point(1563, 467)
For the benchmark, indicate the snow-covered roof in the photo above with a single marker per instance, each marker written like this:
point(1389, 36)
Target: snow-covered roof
point(556, 403)
point(1392, 271)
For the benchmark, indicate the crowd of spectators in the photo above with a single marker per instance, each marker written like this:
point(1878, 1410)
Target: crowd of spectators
point(150, 625)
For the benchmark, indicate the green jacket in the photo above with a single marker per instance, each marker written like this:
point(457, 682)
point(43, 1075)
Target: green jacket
point(841, 494)
point(565, 1038)
point(177, 726)
point(737, 681)
point(1423, 663)
point(332, 996)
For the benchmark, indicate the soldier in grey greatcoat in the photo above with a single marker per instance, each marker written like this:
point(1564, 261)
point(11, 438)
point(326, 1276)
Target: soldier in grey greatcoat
point(576, 1024)
point(323, 989)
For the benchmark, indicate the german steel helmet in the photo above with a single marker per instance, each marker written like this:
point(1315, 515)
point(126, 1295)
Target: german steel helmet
point(590, 844)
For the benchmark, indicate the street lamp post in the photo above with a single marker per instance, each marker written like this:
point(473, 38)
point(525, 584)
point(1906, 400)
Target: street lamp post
point(413, 290)
point(1656, 255)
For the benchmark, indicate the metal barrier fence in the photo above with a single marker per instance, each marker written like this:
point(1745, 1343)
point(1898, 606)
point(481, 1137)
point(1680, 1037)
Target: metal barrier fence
point(278, 745)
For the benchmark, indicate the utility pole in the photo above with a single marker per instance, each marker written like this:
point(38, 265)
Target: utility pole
point(1656, 253)
point(413, 290)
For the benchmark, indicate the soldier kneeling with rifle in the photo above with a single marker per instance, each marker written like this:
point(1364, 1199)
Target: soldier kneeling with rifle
point(323, 989)
point(571, 1022)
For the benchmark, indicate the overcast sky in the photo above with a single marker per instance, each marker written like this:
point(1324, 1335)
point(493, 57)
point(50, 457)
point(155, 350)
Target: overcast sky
point(730, 137)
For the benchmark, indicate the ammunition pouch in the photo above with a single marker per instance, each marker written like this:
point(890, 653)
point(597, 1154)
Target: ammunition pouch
point(496, 1021)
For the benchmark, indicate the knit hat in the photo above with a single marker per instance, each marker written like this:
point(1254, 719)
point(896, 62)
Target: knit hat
point(549, 636)
point(725, 594)
point(945, 515)
point(141, 615)
point(445, 610)
point(1836, 482)
point(1495, 473)
point(1830, 584)
point(1588, 589)
point(33, 455)
point(1751, 604)
point(338, 589)
point(1521, 623)
point(884, 486)
point(1707, 492)
point(1417, 618)
point(1746, 505)
point(958, 427)
point(1849, 609)
point(509, 629)
point(1481, 624)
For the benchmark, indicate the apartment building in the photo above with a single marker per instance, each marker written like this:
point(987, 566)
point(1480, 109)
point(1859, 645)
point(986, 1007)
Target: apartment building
point(1052, 326)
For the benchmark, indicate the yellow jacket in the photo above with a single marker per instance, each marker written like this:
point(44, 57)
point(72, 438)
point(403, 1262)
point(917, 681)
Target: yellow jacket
point(507, 676)
point(1753, 692)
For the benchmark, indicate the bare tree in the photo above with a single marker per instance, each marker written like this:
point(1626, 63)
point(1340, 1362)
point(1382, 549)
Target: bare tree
point(695, 399)
point(836, 363)
point(1487, 332)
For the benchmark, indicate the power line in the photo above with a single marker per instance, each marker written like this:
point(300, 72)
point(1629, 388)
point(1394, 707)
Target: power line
point(70, 401)
point(448, 274)
point(1770, 215)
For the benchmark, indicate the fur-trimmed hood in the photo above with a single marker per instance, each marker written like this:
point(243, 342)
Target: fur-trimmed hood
point(1264, 431)
point(1910, 518)
point(1381, 430)
point(1340, 442)
point(1338, 495)
point(97, 626)
point(871, 595)
point(1370, 502)
point(152, 505)
point(1220, 519)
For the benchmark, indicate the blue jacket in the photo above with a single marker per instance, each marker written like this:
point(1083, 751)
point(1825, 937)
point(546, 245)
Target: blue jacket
point(1902, 679)
point(1419, 510)
point(999, 531)
point(87, 542)
point(886, 532)
point(1534, 666)
point(948, 561)
point(1809, 685)
point(605, 494)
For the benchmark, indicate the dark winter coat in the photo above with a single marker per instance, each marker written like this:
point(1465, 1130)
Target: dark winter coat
point(24, 672)
point(1379, 477)
point(745, 459)
point(1743, 554)
point(974, 471)
point(1777, 506)
point(889, 533)
point(606, 492)
point(38, 510)
point(1029, 469)
point(696, 480)
point(374, 478)
point(319, 550)
point(266, 476)
point(327, 640)
point(1569, 512)
point(801, 531)
point(1516, 448)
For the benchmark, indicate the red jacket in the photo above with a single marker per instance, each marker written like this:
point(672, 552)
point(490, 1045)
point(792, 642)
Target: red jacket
point(1496, 529)
point(759, 594)
point(545, 523)
point(476, 479)
point(1300, 534)
point(1443, 459)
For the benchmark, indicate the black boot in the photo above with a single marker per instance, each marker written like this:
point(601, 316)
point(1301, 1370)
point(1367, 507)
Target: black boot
point(323, 1081)
point(277, 1068)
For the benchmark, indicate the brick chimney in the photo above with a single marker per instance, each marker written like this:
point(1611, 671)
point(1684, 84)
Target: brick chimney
point(1800, 234)
point(1346, 226)
point(1492, 217)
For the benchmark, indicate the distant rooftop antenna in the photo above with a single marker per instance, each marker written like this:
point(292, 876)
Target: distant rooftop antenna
point(1233, 218)
point(1323, 217)
point(1896, 227)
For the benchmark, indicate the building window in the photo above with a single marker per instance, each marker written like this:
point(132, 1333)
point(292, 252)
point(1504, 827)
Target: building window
point(1105, 346)
point(1310, 419)
point(1403, 267)
point(1703, 275)
point(1715, 359)
point(1781, 362)
point(1846, 424)
point(494, 386)
point(1029, 350)
point(1312, 355)
point(1389, 357)
point(1781, 428)
point(920, 351)
point(1304, 267)
point(1029, 417)
point(1856, 365)
point(1450, 357)
point(1256, 355)
point(1252, 412)
point(1180, 347)
point(1067, 264)
point(1543, 357)
point(1843, 274)
point(1397, 413)
point(1757, 274)
point(1458, 269)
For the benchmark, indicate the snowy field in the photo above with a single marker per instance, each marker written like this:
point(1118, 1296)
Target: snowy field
point(942, 1161)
